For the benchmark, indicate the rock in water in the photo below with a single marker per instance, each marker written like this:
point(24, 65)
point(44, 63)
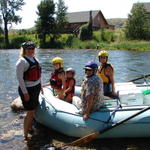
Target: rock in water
point(16, 104)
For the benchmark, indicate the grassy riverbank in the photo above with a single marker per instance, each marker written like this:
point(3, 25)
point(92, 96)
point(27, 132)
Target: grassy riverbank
point(123, 45)
point(113, 40)
point(106, 39)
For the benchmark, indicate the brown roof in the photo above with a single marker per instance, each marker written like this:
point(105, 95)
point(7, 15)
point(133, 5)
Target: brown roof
point(147, 6)
point(81, 16)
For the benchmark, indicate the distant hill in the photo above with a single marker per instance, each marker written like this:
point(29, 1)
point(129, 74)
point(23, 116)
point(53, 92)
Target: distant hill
point(117, 22)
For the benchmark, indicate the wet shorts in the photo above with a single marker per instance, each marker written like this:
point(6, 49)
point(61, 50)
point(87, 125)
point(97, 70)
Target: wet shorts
point(34, 97)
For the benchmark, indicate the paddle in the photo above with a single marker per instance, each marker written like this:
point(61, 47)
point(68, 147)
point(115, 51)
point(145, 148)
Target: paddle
point(92, 136)
point(97, 48)
point(143, 76)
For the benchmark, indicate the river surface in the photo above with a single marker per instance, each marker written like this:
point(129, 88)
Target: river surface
point(127, 64)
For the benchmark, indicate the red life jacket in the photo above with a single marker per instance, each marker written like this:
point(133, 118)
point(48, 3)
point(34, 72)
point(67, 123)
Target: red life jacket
point(55, 82)
point(67, 85)
point(34, 71)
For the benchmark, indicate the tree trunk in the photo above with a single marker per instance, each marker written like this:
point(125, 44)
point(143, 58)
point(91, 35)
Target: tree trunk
point(6, 34)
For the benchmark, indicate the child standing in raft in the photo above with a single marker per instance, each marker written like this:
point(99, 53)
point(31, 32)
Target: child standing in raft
point(70, 85)
point(57, 79)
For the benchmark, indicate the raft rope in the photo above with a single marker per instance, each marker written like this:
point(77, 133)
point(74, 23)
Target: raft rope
point(43, 97)
point(114, 111)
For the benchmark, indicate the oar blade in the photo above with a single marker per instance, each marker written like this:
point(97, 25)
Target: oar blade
point(84, 140)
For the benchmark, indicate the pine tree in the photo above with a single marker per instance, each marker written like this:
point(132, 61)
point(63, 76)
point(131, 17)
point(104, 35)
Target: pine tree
point(61, 19)
point(45, 23)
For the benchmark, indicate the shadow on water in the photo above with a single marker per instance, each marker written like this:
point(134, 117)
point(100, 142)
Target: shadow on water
point(45, 136)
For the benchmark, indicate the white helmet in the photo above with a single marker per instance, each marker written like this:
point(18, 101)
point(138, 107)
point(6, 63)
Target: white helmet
point(70, 70)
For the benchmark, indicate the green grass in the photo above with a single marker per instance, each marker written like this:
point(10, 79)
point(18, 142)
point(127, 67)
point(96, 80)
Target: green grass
point(107, 39)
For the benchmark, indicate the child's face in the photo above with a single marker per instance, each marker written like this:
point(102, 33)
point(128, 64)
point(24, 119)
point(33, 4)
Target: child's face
point(69, 75)
point(57, 66)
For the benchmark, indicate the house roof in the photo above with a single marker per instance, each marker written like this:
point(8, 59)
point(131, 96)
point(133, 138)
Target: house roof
point(81, 16)
point(147, 6)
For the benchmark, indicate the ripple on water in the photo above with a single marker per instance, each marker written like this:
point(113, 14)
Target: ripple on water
point(127, 64)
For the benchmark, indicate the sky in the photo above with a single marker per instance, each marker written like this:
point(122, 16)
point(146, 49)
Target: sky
point(109, 8)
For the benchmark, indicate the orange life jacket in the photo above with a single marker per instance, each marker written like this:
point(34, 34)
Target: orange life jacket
point(101, 73)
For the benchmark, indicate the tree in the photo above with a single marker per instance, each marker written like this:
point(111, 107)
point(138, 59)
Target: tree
point(45, 23)
point(61, 19)
point(90, 26)
point(8, 9)
point(137, 23)
point(1, 30)
point(86, 31)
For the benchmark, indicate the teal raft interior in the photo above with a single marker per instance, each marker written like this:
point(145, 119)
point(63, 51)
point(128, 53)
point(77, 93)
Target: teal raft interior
point(63, 117)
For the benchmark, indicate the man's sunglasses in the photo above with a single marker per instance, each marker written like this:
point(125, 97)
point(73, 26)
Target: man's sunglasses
point(88, 69)
point(30, 48)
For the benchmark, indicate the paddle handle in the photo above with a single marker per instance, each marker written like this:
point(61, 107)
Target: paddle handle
point(147, 75)
point(92, 136)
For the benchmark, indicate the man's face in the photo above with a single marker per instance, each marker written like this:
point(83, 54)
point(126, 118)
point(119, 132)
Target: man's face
point(88, 72)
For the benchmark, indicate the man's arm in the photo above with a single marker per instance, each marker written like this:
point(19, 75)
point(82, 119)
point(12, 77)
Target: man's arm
point(89, 106)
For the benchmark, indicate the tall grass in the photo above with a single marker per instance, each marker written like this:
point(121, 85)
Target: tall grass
point(107, 39)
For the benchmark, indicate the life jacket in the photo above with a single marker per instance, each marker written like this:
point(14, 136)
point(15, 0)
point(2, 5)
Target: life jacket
point(55, 82)
point(67, 85)
point(34, 71)
point(101, 73)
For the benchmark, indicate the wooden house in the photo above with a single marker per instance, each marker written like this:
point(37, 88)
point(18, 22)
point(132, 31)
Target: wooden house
point(77, 19)
point(147, 7)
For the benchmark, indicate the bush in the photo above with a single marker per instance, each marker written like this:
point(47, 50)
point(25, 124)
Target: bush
point(83, 33)
point(17, 41)
point(69, 40)
point(107, 35)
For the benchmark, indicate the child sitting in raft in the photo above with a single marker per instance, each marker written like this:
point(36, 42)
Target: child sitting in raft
point(70, 85)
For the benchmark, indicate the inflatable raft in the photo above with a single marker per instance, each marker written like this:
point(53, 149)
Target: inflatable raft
point(63, 117)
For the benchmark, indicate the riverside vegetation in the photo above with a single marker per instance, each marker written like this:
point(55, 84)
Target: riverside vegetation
point(106, 39)
point(133, 33)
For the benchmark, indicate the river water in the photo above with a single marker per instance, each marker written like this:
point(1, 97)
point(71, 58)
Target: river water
point(127, 64)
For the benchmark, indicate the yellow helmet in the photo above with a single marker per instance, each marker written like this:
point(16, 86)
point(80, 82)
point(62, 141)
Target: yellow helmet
point(103, 53)
point(57, 60)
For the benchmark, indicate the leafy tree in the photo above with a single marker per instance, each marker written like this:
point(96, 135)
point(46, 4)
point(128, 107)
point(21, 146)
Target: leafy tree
point(137, 23)
point(45, 23)
point(8, 9)
point(61, 19)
